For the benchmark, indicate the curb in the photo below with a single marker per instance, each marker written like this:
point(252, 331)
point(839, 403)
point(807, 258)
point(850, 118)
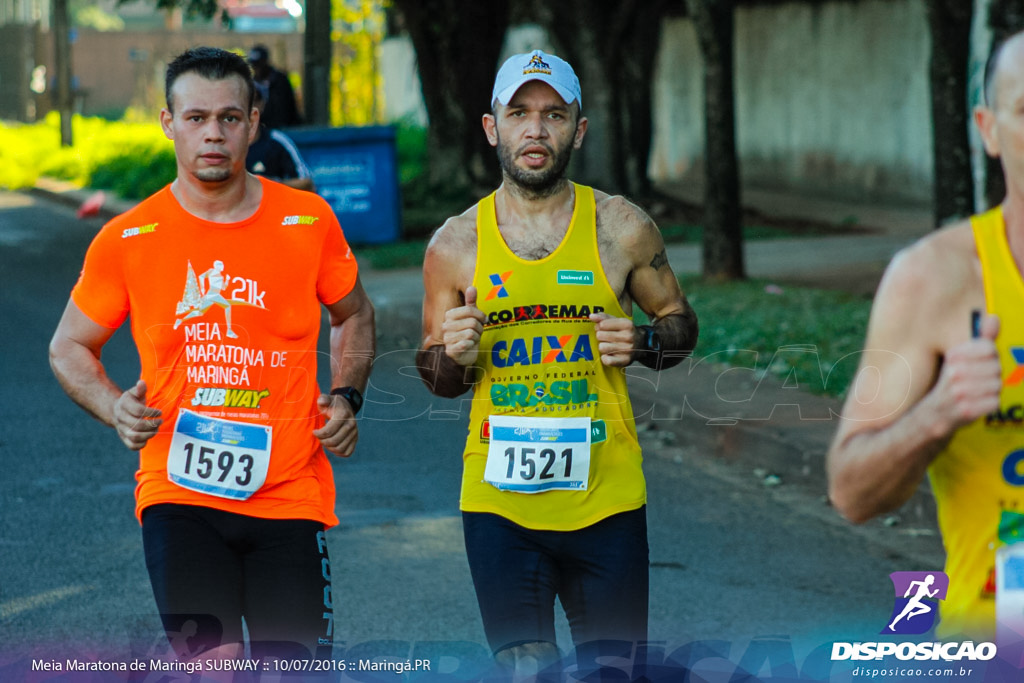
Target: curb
point(72, 196)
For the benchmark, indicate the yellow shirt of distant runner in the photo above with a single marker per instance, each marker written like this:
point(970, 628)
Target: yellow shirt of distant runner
point(539, 358)
point(978, 480)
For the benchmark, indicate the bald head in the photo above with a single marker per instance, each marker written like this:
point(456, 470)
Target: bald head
point(1007, 55)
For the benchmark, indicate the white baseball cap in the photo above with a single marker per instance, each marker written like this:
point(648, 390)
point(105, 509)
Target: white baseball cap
point(536, 66)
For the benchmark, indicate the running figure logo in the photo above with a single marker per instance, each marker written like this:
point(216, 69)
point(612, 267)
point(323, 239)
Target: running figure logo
point(203, 292)
point(917, 596)
point(212, 289)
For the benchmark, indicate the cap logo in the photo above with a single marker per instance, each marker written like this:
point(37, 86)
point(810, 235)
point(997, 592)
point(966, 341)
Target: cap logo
point(537, 66)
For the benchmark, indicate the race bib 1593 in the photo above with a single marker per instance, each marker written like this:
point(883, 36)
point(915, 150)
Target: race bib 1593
point(218, 457)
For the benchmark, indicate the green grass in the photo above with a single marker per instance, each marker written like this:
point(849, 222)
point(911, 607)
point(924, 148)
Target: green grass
point(406, 254)
point(810, 336)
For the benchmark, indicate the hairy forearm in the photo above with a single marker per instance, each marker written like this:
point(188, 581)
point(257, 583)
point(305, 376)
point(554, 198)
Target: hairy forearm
point(876, 471)
point(441, 375)
point(678, 334)
point(353, 347)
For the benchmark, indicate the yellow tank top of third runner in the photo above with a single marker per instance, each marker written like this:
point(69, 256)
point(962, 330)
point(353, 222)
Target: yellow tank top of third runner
point(978, 480)
point(539, 359)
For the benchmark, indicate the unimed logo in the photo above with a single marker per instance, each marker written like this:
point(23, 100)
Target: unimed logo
point(575, 277)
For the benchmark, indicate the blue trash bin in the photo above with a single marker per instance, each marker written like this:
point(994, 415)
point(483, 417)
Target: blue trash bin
point(355, 169)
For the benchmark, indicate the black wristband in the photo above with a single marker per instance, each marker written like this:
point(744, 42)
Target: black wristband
point(350, 394)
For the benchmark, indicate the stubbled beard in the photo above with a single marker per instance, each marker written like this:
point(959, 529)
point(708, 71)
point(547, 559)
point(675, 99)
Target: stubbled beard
point(213, 175)
point(534, 184)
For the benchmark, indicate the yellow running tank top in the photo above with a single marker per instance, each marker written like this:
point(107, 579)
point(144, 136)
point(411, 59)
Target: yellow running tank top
point(978, 481)
point(539, 359)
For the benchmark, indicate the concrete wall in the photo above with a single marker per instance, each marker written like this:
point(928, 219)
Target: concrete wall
point(830, 97)
point(403, 92)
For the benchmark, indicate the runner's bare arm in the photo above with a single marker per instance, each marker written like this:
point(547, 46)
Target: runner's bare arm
point(909, 395)
point(452, 324)
point(75, 359)
point(651, 284)
point(353, 346)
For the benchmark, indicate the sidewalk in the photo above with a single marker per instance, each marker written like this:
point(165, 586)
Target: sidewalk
point(751, 424)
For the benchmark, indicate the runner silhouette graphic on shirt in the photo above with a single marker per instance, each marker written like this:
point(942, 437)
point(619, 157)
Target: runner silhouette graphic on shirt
point(203, 292)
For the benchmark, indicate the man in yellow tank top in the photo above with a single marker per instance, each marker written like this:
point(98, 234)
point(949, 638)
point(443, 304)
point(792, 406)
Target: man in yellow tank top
point(528, 302)
point(935, 396)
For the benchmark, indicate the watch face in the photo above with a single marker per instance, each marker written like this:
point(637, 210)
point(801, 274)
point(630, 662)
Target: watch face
point(356, 399)
point(352, 395)
point(653, 341)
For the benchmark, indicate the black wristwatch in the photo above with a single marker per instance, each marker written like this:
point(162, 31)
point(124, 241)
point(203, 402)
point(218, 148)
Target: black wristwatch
point(651, 340)
point(352, 395)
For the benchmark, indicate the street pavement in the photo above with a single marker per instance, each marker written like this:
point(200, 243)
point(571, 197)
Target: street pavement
point(745, 550)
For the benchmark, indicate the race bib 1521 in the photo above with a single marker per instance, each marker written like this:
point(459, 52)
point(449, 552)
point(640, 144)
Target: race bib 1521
point(537, 454)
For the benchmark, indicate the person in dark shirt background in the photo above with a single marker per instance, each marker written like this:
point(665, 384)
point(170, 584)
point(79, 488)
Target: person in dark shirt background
point(281, 109)
point(273, 155)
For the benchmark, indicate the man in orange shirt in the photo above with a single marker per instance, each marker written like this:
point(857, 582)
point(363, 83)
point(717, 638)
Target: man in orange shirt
point(234, 488)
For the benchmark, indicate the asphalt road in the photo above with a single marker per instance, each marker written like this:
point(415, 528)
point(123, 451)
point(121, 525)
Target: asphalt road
point(732, 560)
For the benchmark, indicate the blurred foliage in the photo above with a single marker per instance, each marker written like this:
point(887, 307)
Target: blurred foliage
point(356, 83)
point(411, 150)
point(423, 208)
point(88, 15)
point(130, 158)
point(136, 173)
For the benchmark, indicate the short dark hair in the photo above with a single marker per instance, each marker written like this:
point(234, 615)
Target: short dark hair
point(212, 63)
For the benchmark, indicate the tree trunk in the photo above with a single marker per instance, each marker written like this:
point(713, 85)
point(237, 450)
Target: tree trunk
point(316, 98)
point(62, 61)
point(636, 82)
point(458, 44)
point(950, 25)
point(723, 231)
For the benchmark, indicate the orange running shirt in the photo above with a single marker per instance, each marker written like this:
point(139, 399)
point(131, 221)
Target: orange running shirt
point(226, 318)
